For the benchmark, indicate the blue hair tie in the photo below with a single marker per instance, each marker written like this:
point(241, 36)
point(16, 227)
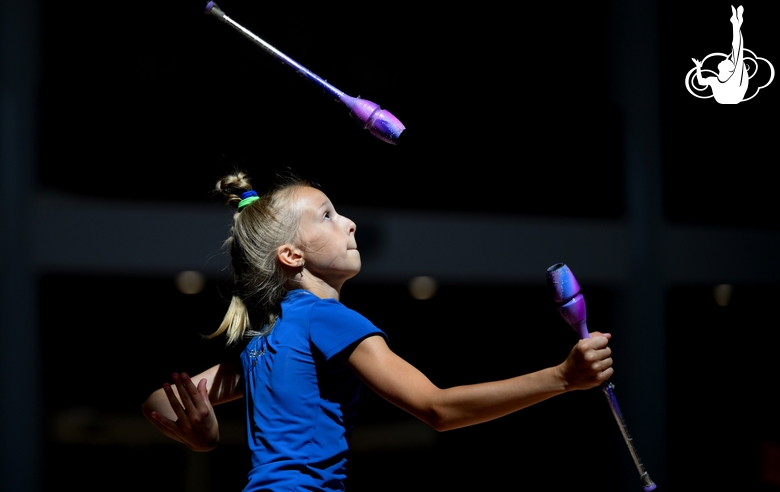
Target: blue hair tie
point(247, 197)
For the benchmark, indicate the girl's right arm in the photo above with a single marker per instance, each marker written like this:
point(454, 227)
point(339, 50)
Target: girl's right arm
point(588, 365)
point(184, 412)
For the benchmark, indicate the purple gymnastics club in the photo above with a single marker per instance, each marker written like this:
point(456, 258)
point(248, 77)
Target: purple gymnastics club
point(370, 116)
point(571, 305)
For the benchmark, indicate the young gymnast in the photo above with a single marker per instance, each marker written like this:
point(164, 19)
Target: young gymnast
point(302, 356)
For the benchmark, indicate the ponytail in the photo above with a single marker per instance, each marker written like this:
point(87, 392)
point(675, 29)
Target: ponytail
point(261, 224)
point(236, 322)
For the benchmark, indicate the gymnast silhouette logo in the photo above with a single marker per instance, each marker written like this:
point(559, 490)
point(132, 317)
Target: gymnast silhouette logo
point(730, 84)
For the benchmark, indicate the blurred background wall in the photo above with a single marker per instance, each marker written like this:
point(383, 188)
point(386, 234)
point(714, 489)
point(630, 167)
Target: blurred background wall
point(559, 133)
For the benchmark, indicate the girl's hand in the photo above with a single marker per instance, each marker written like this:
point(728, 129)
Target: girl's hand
point(589, 363)
point(196, 425)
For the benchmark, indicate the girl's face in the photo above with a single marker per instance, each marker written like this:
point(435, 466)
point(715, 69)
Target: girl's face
point(327, 239)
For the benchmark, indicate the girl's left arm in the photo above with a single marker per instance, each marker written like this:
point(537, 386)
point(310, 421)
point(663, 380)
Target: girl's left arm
point(588, 365)
point(184, 410)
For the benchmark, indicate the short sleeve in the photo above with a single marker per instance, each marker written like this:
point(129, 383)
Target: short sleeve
point(335, 327)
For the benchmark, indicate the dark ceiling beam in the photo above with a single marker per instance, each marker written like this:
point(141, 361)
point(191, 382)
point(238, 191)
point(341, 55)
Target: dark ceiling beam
point(75, 234)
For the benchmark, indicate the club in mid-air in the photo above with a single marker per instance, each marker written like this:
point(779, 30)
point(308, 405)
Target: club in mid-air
point(379, 122)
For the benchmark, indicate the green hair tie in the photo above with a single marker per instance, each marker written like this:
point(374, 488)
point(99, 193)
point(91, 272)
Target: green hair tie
point(247, 198)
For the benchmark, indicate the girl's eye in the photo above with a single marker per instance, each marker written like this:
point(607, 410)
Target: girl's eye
point(327, 215)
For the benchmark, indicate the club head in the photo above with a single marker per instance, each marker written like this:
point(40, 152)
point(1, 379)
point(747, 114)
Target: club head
point(562, 283)
point(566, 293)
point(379, 122)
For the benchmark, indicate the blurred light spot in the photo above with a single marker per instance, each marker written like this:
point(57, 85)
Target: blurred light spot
point(423, 287)
point(190, 282)
point(722, 294)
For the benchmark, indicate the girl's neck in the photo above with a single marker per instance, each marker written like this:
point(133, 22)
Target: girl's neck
point(319, 288)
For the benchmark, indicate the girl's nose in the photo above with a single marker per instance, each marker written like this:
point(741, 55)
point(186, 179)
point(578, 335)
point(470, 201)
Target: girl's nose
point(351, 226)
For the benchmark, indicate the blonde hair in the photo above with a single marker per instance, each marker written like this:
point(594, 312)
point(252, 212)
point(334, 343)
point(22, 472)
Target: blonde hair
point(260, 281)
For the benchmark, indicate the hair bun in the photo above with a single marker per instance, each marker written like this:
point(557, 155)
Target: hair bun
point(232, 185)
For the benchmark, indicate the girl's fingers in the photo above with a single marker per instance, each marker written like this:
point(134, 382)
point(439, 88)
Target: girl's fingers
point(598, 334)
point(193, 395)
point(174, 402)
point(203, 391)
point(602, 365)
point(165, 421)
point(184, 393)
point(604, 352)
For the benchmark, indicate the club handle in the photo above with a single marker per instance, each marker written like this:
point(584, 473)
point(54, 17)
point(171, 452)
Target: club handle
point(647, 482)
point(213, 9)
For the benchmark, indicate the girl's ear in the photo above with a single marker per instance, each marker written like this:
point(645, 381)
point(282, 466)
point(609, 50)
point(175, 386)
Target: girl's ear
point(290, 256)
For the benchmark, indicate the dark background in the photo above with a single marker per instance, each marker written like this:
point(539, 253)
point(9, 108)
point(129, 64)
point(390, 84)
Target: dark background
point(485, 96)
point(153, 103)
